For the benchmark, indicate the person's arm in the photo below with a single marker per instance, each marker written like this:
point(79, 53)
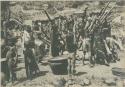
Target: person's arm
point(16, 56)
point(8, 56)
point(107, 48)
point(118, 44)
point(80, 45)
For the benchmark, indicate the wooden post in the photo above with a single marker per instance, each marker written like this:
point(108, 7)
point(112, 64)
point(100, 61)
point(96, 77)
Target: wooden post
point(50, 53)
point(7, 17)
point(50, 50)
point(74, 30)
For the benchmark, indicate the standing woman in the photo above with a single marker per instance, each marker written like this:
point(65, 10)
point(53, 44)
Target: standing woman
point(11, 61)
point(30, 61)
point(27, 56)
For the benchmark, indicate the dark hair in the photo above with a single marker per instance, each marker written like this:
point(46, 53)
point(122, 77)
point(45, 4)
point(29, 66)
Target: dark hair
point(113, 36)
point(28, 29)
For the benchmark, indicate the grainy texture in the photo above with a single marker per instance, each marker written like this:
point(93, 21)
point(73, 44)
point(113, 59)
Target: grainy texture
point(85, 38)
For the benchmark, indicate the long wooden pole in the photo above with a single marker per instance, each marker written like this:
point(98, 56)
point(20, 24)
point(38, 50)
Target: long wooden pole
point(103, 10)
point(7, 20)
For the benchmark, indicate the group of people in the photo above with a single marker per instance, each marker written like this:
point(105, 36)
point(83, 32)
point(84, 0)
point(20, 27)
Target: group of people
point(59, 35)
point(16, 47)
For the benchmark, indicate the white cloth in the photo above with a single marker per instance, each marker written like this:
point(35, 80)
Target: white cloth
point(26, 36)
point(38, 42)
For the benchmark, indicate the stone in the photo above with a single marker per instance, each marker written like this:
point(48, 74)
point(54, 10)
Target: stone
point(110, 82)
point(86, 81)
point(76, 85)
point(48, 85)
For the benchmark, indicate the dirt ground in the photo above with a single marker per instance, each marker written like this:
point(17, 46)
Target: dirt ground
point(95, 75)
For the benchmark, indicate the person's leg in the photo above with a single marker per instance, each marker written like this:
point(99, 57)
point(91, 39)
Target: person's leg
point(12, 75)
point(109, 58)
point(92, 58)
point(27, 71)
point(83, 59)
point(92, 61)
point(30, 71)
point(7, 72)
point(10, 70)
point(69, 68)
point(72, 71)
point(106, 59)
point(115, 55)
point(97, 57)
point(36, 68)
point(15, 77)
point(74, 62)
point(13, 72)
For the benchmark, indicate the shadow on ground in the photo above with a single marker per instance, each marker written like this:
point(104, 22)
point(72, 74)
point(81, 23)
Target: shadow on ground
point(80, 73)
point(21, 80)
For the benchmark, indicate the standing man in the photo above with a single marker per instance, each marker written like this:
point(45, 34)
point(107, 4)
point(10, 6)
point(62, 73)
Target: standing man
point(92, 45)
point(55, 40)
point(71, 48)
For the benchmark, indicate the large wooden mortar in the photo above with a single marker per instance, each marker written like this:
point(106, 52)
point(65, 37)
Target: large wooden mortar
point(59, 65)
